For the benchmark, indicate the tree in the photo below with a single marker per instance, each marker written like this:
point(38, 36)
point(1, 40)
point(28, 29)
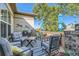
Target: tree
point(50, 13)
point(69, 8)
point(64, 25)
point(41, 10)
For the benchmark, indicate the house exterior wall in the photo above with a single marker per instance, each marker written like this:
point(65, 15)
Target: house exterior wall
point(22, 22)
point(26, 21)
point(70, 27)
point(12, 18)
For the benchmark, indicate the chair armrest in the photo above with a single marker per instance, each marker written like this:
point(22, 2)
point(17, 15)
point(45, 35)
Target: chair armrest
point(27, 52)
point(24, 50)
point(16, 44)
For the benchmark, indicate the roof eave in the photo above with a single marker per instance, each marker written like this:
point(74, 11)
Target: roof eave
point(13, 6)
point(26, 14)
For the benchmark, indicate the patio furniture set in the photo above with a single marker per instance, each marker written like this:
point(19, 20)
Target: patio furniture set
point(18, 41)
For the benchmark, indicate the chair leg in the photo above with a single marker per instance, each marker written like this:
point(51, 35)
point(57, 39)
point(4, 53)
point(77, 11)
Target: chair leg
point(31, 52)
point(21, 43)
point(46, 51)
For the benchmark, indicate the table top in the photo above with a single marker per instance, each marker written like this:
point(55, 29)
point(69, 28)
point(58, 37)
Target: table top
point(30, 38)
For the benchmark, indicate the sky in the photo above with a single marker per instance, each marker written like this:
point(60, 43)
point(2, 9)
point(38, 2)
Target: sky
point(28, 7)
point(25, 7)
point(70, 19)
point(37, 24)
point(67, 20)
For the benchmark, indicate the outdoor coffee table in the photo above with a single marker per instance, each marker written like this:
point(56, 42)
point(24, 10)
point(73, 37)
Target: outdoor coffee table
point(30, 39)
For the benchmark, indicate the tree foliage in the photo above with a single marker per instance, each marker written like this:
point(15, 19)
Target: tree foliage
point(64, 25)
point(69, 8)
point(50, 13)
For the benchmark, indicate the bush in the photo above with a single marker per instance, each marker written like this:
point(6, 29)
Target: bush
point(66, 53)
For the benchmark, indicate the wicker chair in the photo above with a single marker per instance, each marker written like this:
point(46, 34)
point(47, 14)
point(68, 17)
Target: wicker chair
point(6, 50)
point(52, 44)
point(17, 39)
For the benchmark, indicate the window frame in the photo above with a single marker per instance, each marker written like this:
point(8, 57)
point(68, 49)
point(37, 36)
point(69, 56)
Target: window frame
point(6, 22)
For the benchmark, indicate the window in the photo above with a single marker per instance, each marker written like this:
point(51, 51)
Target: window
point(3, 29)
point(9, 18)
point(4, 10)
point(4, 15)
point(5, 21)
point(9, 30)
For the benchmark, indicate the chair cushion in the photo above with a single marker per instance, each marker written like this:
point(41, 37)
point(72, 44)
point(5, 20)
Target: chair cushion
point(16, 36)
point(25, 48)
point(27, 51)
point(17, 51)
point(18, 43)
point(46, 45)
point(6, 47)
